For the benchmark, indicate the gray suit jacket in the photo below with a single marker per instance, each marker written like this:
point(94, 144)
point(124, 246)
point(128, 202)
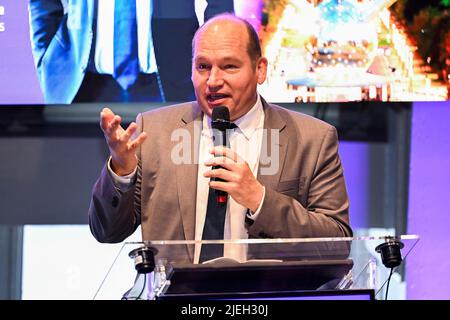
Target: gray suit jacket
point(306, 197)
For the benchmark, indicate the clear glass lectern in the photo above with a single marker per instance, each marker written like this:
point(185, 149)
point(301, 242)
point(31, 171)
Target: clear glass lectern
point(255, 268)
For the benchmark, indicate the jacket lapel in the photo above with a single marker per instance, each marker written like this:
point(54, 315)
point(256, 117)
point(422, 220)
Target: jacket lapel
point(273, 150)
point(186, 173)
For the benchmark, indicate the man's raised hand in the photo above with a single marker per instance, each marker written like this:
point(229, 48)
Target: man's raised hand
point(121, 142)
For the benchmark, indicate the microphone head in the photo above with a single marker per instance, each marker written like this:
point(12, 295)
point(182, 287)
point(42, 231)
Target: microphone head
point(220, 113)
point(220, 118)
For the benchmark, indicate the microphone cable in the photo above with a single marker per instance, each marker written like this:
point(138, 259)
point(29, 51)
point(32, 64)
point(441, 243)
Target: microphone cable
point(388, 282)
point(143, 287)
point(138, 297)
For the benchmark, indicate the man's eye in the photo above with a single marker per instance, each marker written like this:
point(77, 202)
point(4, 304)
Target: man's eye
point(230, 66)
point(202, 66)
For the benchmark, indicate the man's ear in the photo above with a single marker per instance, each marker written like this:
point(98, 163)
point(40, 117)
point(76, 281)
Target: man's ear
point(261, 69)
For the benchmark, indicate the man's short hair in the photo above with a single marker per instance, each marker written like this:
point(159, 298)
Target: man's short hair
point(253, 47)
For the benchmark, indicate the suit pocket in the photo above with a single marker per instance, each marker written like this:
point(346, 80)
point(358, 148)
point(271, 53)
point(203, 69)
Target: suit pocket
point(289, 187)
point(292, 187)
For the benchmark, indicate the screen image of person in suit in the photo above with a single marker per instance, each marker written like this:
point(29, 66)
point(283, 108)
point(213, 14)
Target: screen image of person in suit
point(116, 50)
point(145, 183)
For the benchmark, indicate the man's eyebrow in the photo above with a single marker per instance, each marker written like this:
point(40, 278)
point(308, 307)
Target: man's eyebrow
point(231, 58)
point(222, 59)
point(200, 57)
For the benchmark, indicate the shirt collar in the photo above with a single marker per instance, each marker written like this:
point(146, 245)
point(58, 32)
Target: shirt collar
point(248, 123)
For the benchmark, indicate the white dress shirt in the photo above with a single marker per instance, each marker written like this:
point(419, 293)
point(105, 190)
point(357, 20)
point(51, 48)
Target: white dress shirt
point(246, 141)
point(104, 46)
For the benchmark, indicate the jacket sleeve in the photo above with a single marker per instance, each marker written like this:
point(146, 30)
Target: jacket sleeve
point(113, 215)
point(45, 19)
point(326, 210)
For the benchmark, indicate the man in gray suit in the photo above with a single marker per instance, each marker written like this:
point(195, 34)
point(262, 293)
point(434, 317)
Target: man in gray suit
point(154, 180)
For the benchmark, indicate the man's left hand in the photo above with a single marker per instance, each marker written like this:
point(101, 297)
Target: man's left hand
point(239, 181)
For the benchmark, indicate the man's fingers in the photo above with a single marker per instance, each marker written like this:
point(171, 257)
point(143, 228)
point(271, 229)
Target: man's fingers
point(220, 185)
point(113, 128)
point(138, 141)
point(226, 152)
point(227, 163)
point(224, 174)
point(107, 110)
point(115, 122)
point(129, 132)
point(106, 115)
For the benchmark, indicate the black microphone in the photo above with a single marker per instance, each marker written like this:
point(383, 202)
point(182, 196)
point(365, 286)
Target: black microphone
point(220, 123)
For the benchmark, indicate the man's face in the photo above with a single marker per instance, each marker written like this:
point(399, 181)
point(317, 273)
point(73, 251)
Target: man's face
point(222, 71)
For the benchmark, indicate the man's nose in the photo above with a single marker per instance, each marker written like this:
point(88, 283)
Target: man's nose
point(215, 78)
